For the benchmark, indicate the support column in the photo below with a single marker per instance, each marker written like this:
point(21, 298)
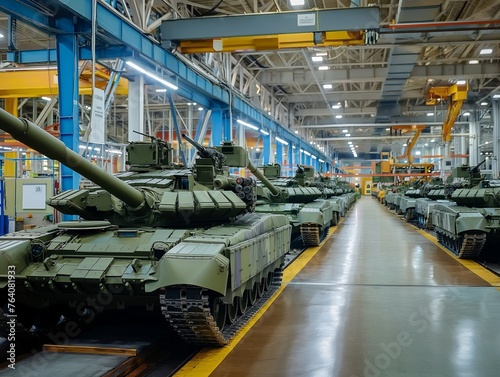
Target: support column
point(219, 126)
point(267, 150)
point(495, 167)
point(241, 136)
point(136, 108)
point(279, 153)
point(67, 77)
point(463, 146)
point(473, 143)
point(290, 158)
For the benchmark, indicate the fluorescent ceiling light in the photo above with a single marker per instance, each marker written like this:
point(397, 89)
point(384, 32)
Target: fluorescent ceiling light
point(347, 135)
point(264, 132)
point(338, 116)
point(162, 90)
point(426, 145)
point(418, 153)
point(484, 103)
point(344, 131)
point(153, 76)
point(461, 82)
point(1, 35)
point(297, 3)
point(327, 86)
point(281, 140)
point(321, 53)
point(200, 108)
point(296, 131)
point(307, 153)
point(313, 157)
point(301, 151)
point(336, 107)
point(349, 142)
point(47, 99)
point(320, 160)
point(486, 51)
point(387, 129)
point(466, 114)
point(404, 145)
point(433, 140)
point(323, 68)
point(496, 96)
point(430, 114)
point(114, 151)
point(317, 58)
point(474, 61)
point(247, 125)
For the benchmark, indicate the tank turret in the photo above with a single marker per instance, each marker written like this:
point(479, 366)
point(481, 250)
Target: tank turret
point(34, 137)
point(235, 156)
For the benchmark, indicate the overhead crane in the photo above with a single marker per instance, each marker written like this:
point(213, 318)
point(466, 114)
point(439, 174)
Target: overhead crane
point(273, 31)
point(37, 83)
point(456, 94)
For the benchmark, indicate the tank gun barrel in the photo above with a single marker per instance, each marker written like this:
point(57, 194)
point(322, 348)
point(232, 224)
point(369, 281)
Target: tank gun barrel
point(274, 190)
point(43, 142)
point(475, 169)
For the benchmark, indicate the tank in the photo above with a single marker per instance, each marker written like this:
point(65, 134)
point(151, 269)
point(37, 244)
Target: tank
point(309, 214)
point(465, 227)
point(157, 238)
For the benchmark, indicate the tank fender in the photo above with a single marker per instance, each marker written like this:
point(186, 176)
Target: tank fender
point(467, 222)
point(192, 263)
point(13, 258)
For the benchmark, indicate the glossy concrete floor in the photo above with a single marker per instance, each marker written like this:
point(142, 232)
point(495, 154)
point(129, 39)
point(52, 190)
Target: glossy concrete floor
point(378, 299)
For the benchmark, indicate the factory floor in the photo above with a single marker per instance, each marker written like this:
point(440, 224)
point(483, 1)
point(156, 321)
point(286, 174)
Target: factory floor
point(379, 298)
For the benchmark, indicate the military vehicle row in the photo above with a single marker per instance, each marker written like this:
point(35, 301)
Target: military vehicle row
point(465, 214)
point(188, 244)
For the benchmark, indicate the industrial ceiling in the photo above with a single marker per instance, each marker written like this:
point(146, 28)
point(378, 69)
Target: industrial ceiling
point(363, 89)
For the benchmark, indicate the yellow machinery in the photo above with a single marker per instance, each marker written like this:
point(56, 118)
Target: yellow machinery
point(411, 167)
point(457, 94)
point(272, 42)
point(36, 83)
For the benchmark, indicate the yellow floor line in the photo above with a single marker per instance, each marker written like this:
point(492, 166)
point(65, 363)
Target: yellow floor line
point(205, 361)
point(471, 265)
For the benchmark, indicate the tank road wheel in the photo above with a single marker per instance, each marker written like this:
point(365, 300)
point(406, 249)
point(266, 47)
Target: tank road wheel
point(268, 281)
point(232, 311)
point(219, 310)
point(261, 287)
point(254, 294)
point(243, 301)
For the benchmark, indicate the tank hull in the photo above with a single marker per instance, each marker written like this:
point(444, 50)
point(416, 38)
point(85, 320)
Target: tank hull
point(91, 270)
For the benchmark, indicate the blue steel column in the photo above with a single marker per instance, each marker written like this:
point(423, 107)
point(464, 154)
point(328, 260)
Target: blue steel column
point(67, 77)
point(217, 127)
point(290, 157)
point(266, 148)
point(279, 153)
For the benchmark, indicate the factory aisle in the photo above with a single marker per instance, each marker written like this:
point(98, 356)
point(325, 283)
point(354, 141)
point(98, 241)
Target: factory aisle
point(379, 299)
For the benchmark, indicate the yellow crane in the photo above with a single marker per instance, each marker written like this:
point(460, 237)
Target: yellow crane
point(456, 94)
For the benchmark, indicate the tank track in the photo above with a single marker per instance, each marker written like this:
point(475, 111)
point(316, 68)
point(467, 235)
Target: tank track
point(311, 234)
point(192, 318)
point(469, 247)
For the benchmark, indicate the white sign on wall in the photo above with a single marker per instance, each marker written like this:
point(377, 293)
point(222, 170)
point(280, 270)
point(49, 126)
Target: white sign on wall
point(34, 196)
point(307, 19)
point(97, 118)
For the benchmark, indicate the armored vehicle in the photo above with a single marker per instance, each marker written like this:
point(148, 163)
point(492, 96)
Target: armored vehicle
point(463, 228)
point(309, 214)
point(301, 199)
point(155, 238)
